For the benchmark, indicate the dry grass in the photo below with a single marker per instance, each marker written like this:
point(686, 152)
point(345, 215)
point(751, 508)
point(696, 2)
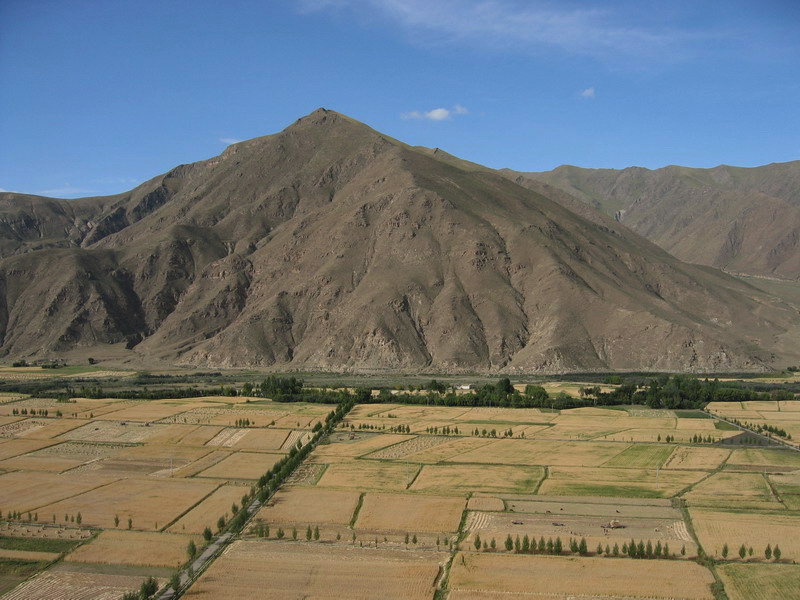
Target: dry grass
point(242, 465)
point(210, 510)
point(535, 452)
point(135, 548)
point(285, 570)
point(693, 457)
point(149, 502)
point(760, 582)
point(444, 479)
point(409, 512)
point(644, 483)
point(584, 577)
point(727, 489)
point(113, 431)
point(715, 528)
point(369, 475)
point(200, 435)
point(29, 491)
point(303, 505)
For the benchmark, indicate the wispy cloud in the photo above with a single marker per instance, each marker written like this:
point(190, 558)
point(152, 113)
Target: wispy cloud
point(4, 190)
point(229, 140)
point(436, 114)
point(588, 93)
point(531, 24)
point(67, 190)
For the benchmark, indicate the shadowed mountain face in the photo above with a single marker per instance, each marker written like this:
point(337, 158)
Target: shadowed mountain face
point(742, 220)
point(329, 246)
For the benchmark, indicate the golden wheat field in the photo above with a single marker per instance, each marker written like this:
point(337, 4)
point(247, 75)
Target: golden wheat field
point(301, 505)
point(410, 512)
point(761, 581)
point(564, 577)
point(288, 570)
point(142, 548)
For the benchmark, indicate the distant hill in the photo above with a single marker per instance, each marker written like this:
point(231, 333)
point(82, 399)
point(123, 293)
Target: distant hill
point(330, 246)
point(742, 220)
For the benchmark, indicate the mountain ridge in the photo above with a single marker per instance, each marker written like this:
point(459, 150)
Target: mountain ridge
point(330, 246)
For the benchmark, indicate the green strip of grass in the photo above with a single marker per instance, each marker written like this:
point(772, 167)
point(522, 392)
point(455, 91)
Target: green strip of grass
point(37, 544)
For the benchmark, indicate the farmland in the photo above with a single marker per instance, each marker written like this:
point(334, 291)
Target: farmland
point(126, 484)
point(454, 501)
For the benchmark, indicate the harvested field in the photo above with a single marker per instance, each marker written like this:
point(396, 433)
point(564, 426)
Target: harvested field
point(647, 456)
point(446, 450)
point(760, 581)
point(369, 475)
point(135, 548)
point(202, 464)
point(53, 428)
point(444, 479)
point(409, 512)
point(643, 483)
point(291, 570)
point(693, 457)
point(210, 510)
point(242, 465)
point(535, 452)
point(715, 528)
point(228, 437)
point(403, 449)
point(498, 525)
point(577, 577)
point(30, 491)
point(149, 411)
point(489, 414)
point(226, 415)
point(74, 586)
point(728, 489)
point(200, 436)
point(307, 474)
point(295, 436)
point(486, 503)
point(149, 502)
point(364, 443)
point(605, 507)
point(66, 536)
point(113, 431)
point(303, 505)
point(651, 435)
point(20, 428)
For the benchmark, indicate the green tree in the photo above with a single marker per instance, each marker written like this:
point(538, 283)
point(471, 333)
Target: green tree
point(583, 549)
point(116, 520)
point(517, 545)
point(509, 543)
point(207, 535)
point(294, 533)
point(191, 550)
point(406, 539)
point(742, 551)
point(175, 582)
point(615, 550)
point(130, 523)
point(768, 552)
point(557, 546)
point(526, 544)
point(477, 541)
point(220, 523)
point(777, 553)
point(309, 533)
point(316, 532)
point(683, 550)
point(599, 550)
point(280, 533)
point(541, 546)
point(725, 551)
point(148, 589)
point(414, 539)
point(493, 544)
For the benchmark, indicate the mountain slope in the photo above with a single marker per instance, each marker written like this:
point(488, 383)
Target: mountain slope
point(330, 246)
point(741, 220)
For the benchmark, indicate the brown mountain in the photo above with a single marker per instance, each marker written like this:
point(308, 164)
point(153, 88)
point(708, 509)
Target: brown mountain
point(331, 246)
point(741, 220)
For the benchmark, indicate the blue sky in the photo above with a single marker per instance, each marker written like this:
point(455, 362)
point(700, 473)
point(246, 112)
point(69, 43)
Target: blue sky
point(97, 96)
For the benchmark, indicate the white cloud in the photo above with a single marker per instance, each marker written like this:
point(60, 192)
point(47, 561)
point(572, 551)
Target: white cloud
point(527, 24)
point(67, 190)
point(229, 140)
point(588, 93)
point(436, 114)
